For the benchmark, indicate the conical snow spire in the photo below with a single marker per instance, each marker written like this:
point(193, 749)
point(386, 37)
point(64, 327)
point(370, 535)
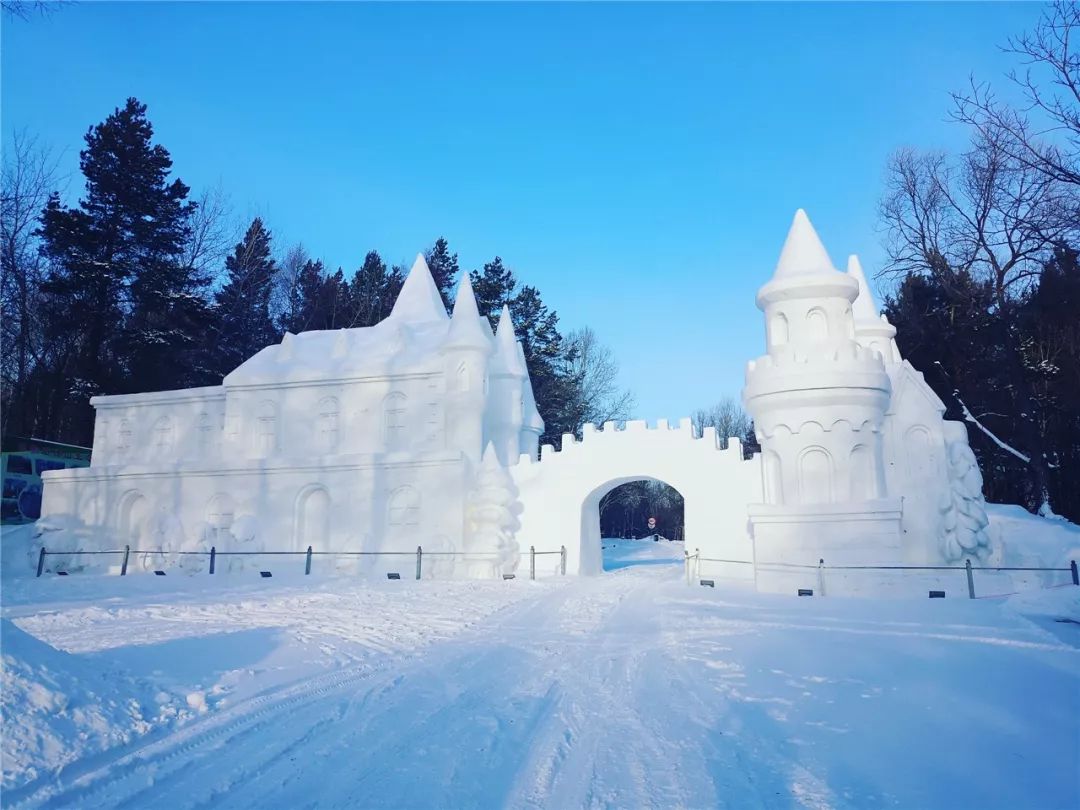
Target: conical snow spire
point(803, 253)
point(864, 308)
point(468, 329)
point(507, 359)
point(419, 300)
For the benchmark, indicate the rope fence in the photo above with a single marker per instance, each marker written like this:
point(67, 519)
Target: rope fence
point(692, 562)
point(127, 551)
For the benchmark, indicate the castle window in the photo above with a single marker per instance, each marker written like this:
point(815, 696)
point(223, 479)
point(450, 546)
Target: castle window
point(817, 324)
point(404, 507)
point(163, 435)
point(861, 469)
point(328, 424)
point(394, 419)
point(779, 329)
point(462, 376)
point(266, 428)
point(123, 442)
point(815, 476)
point(206, 433)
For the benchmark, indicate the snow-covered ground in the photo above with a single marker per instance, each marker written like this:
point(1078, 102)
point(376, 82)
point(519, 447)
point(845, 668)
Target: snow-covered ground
point(630, 689)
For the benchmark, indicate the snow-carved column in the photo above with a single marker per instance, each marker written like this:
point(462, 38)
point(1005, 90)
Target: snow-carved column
point(964, 522)
point(491, 521)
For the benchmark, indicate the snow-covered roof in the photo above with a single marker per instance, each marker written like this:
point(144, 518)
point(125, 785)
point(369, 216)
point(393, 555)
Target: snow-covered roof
point(389, 347)
point(803, 253)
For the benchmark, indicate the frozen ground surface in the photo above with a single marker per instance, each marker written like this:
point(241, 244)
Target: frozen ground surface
point(626, 690)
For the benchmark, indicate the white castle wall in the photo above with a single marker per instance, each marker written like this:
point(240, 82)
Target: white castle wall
point(423, 430)
point(561, 492)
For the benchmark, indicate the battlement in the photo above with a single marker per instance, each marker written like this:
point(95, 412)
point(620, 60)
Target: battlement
point(849, 353)
point(637, 430)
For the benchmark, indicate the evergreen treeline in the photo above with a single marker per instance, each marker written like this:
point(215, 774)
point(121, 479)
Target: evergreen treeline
point(123, 292)
point(983, 247)
point(949, 326)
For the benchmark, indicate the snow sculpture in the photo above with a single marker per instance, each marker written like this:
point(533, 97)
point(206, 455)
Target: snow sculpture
point(423, 430)
point(312, 437)
point(965, 524)
point(491, 523)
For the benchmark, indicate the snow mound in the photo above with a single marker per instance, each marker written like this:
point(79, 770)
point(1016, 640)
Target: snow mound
point(58, 707)
point(1031, 539)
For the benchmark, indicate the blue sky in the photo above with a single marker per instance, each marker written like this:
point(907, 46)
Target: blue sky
point(640, 163)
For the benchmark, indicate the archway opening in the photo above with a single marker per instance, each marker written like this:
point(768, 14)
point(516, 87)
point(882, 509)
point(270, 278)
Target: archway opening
point(634, 521)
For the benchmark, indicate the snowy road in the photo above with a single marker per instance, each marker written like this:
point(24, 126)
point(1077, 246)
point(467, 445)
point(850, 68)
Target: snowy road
point(626, 690)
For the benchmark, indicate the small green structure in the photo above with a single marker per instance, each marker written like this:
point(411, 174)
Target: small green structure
point(22, 461)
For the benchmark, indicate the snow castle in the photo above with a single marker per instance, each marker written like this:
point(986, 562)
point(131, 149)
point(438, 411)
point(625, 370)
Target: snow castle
point(423, 431)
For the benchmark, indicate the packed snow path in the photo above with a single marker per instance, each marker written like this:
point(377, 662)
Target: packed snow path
point(626, 690)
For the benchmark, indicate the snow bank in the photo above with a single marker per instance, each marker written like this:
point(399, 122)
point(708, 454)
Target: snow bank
point(1031, 540)
point(59, 707)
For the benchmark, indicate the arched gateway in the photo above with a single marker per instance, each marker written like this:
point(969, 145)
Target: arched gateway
point(560, 494)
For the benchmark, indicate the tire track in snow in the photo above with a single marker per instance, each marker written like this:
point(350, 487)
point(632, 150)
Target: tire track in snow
point(112, 780)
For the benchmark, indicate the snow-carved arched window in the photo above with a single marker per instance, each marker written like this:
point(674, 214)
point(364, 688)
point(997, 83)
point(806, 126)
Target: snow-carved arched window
point(778, 329)
point(815, 476)
point(861, 469)
point(328, 424)
point(163, 435)
point(404, 507)
point(123, 437)
point(920, 454)
point(461, 381)
point(206, 433)
point(817, 324)
point(394, 419)
point(266, 428)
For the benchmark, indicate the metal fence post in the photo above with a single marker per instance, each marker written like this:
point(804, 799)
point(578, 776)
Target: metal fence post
point(41, 561)
point(562, 560)
point(821, 576)
point(971, 580)
point(307, 563)
point(419, 557)
point(123, 565)
point(532, 562)
point(213, 556)
point(1075, 574)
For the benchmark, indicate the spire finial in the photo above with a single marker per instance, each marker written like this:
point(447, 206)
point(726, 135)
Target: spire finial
point(864, 308)
point(803, 252)
point(419, 300)
point(467, 328)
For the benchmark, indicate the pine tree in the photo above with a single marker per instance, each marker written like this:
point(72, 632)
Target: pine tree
point(372, 291)
point(243, 304)
point(302, 301)
point(129, 309)
point(334, 310)
point(493, 287)
point(444, 269)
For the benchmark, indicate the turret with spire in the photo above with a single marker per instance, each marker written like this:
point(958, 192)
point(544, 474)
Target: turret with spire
point(871, 329)
point(419, 300)
point(818, 398)
point(506, 398)
point(466, 354)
